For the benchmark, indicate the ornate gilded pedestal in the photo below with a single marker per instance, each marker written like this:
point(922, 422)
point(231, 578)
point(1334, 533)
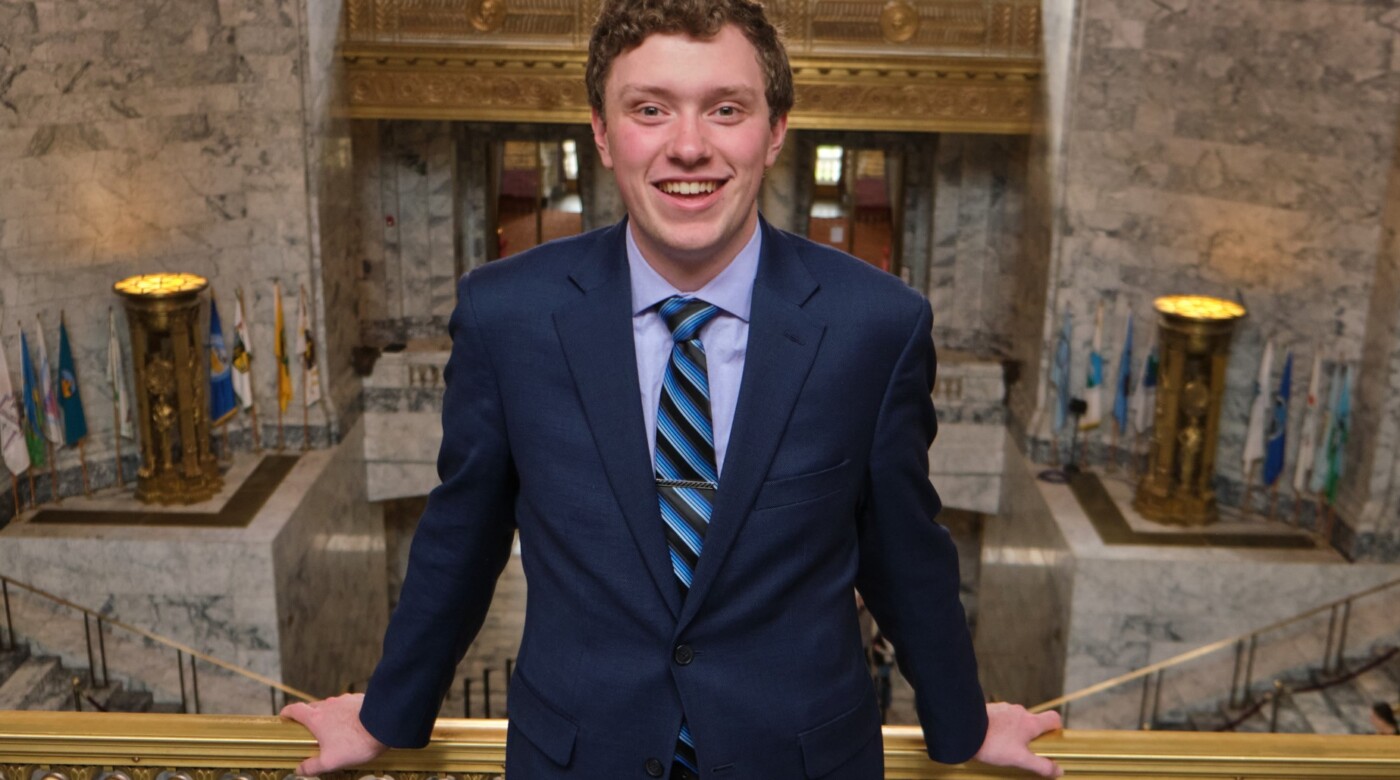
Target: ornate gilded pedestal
point(178, 465)
point(1194, 333)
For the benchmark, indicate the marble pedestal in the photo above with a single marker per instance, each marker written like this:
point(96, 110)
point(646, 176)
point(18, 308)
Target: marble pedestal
point(298, 594)
point(1061, 608)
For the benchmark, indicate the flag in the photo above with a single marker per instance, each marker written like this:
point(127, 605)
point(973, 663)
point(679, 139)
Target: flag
point(306, 352)
point(12, 447)
point(1307, 436)
point(1317, 483)
point(1258, 412)
point(53, 424)
point(223, 404)
point(33, 402)
point(242, 357)
point(1145, 399)
point(1340, 430)
point(116, 379)
point(1059, 373)
point(1124, 390)
point(1277, 436)
point(1093, 385)
point(279, 353)
point(74, 421)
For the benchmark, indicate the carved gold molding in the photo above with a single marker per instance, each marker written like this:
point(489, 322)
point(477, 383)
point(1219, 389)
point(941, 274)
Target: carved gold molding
point(946, 66)
point(95, 746)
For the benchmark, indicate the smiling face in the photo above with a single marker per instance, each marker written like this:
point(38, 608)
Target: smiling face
point(687, 133)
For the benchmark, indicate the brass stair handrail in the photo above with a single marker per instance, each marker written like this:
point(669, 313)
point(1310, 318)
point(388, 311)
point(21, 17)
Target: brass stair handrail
point(180, 648)
point(1331, 660)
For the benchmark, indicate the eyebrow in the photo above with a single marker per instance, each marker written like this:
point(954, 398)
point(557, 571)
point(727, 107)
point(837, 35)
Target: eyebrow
point(634, 91)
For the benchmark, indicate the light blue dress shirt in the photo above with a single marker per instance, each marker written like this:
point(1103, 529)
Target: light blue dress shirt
point(726, 337)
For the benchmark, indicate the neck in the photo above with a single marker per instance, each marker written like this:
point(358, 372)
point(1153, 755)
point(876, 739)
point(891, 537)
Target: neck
point(690, 271)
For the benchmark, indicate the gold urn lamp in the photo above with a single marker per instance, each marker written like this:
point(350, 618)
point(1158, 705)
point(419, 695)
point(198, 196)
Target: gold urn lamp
point(1194, 333)
point(178, 464)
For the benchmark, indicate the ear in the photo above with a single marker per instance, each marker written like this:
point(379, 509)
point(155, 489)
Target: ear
point(600, 138)
point(775, 144)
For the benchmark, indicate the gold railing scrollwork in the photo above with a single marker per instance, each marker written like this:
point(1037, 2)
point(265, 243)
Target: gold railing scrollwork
point(96, 746)
point(896, 65)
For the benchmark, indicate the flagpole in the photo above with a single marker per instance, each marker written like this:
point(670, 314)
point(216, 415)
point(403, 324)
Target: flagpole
point(14, 487)
point(1249, 488)
point(252, 404)
point(82, 459)
point(33, 491)
point(1273, 501)
point(116, 413)
point(53, 475)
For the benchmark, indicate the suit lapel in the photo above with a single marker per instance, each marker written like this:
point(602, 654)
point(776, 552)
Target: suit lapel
point(783, 340)
point(596, 333)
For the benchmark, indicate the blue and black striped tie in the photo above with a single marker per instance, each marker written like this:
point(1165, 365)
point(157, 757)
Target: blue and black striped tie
point(686, 474)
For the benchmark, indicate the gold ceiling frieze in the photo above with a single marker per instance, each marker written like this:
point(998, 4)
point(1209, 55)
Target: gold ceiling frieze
point(939, 66)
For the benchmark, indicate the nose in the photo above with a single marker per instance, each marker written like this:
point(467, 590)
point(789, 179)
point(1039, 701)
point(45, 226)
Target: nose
point(690, 145)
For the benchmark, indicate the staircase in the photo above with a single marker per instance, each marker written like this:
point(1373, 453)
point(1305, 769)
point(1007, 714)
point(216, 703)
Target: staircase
point(42, 682)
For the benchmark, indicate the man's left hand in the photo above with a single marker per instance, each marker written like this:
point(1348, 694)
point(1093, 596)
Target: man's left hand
point(1010, 728)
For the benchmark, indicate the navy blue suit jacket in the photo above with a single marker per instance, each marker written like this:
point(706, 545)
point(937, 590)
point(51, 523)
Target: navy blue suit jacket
point(825, 488)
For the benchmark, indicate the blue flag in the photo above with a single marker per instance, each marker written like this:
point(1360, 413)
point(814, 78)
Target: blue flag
point(223, 402)
point(1338, 435)
point(1277, 436)
point(33, 402)
point(1125, 380)
point(74, 421)
point(1059, 374)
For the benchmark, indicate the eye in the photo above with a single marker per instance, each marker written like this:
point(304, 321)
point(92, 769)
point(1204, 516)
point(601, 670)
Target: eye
point(728, 111)
point(649, 111)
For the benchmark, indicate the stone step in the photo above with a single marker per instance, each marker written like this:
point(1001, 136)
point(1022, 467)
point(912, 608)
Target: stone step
point(38, 683)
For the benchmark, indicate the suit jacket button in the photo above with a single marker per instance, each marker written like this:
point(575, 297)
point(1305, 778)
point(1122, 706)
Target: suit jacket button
point(684, 655)
point(654, 767)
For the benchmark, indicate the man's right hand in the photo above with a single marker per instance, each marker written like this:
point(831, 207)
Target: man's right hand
point(335, 723)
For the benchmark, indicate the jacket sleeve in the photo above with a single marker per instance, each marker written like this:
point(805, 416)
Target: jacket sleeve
point(908, 572)
point(461, 545)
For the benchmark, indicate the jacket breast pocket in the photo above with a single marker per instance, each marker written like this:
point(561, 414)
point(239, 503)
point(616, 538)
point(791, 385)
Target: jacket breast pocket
point(803, 487)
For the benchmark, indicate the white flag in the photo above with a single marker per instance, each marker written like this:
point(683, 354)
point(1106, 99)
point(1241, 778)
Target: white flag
point(1259, 411)
point(306, 353)
point(1307, 447)
point(116, 378)
point(53, 423)
point(1093, 383)
point(242, 354)
point(16, 454)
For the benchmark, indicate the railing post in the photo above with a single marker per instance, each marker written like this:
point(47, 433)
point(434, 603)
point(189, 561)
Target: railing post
point(1342, 636)
point(272, 693)
point(1249, 669)
point(1279, 690)
point(1142, 707)
point(1064, 715)
point(87, 642)
point(102, 651)
point(194, 683)
point(1235, 676)
point(1157, 697)
point(486, 692)
point(9, 621)
point(1331, 634)
point(466, 697)
point(180, 669)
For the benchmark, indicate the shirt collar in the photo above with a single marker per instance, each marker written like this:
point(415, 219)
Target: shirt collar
point(731, 290)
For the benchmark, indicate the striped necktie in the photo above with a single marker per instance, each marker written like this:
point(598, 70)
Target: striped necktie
point(686, 474)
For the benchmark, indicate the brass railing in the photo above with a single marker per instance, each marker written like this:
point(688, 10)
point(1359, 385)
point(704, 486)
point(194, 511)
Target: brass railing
point(97, 746)
point(1242, 675)
point(95, 646)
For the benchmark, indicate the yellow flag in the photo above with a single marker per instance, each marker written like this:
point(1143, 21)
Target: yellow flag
point(284, 374)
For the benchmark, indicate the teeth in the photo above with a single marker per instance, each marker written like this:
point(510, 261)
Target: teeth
point(688, 187)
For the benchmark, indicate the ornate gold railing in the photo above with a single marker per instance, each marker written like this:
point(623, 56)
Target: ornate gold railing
point(94, 746)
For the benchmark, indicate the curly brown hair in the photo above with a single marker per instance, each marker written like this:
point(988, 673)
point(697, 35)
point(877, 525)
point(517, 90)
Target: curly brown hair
point(624, 24)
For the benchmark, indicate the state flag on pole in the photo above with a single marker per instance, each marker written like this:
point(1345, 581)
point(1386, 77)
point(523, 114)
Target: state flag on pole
point(1340, 431)
point(1124, 389)
point(116, 379)
point(74, 421)
point(53, 423)
point(1258, 412)
point(1145, 399)
point(1059, 373)
point(223, 404)
point(1093, 384)
point(306, 352)
point(1318, 481)
point(33, 402)
point(12, 446)
point(1278, 425)
point(242, 356)
point(1307, 435)
point(279, 351)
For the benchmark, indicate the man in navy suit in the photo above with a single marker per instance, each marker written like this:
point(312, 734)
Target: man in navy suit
point(707, 433)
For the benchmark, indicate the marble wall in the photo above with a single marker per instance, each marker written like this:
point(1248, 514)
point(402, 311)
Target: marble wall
point(148, 136)
point(1240, 149)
